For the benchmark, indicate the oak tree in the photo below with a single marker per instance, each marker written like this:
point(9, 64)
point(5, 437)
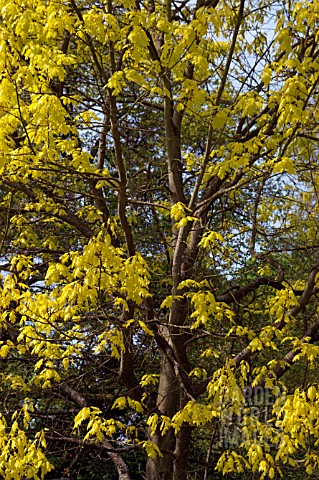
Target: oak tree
point(159, 237)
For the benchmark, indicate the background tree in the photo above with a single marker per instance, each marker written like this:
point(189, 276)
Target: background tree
point(159, 251)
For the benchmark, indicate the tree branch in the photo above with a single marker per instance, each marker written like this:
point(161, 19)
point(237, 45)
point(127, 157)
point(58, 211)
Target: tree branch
point(114, 455)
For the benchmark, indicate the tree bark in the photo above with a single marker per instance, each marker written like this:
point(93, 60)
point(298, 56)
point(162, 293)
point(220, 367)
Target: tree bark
point(183, 438)
point(161, 467)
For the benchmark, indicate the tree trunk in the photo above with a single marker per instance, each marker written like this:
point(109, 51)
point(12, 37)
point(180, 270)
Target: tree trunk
point(181, 453)
point(161, 467)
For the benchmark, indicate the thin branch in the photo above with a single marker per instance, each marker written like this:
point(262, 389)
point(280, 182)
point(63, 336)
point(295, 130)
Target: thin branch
point(114, 455)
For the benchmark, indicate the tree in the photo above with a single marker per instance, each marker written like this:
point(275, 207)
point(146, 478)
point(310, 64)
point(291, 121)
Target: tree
point(159, 219)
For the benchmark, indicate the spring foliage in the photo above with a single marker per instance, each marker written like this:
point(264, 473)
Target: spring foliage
point(159, 255)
